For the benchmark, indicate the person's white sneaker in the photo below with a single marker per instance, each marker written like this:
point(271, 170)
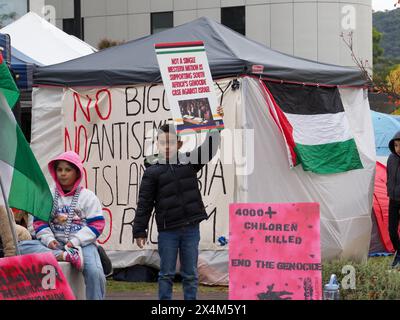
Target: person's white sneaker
point(75, 257)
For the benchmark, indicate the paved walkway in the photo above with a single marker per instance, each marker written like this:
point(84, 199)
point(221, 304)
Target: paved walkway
point(153, 296)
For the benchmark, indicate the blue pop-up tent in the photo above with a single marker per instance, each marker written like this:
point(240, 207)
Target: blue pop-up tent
point(385, 127)
point(23, 71)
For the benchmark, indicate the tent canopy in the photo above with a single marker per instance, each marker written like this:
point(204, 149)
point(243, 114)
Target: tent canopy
point(229, 54)
point(35, 40)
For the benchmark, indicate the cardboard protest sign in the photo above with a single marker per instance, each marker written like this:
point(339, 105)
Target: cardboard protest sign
point(189, 86)
point(275, 251)
point(33, 277)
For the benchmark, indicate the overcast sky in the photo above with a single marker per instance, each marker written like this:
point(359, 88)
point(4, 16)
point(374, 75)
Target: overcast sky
point(382, 5)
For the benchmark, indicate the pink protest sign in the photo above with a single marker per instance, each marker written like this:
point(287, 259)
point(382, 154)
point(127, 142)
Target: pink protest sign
point(33, 277)
point(274, 251)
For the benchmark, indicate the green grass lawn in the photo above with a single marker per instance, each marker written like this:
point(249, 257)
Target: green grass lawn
point(374, 280)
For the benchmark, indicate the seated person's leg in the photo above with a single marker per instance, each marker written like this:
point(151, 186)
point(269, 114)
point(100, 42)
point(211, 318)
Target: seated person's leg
point(93, 273)
point(6, 234)
point(35, 246)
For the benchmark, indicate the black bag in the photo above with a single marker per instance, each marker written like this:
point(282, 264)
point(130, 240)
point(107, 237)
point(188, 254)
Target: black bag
point(105, 261)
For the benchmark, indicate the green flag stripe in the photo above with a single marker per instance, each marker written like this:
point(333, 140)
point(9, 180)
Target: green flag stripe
point(180, 51)
point(25, 195)
point(329, 158)
point(8, 86)
point(8, 136)
point(29, 185)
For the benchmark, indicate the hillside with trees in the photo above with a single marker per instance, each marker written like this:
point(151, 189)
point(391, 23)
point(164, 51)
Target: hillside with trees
point(388, 24)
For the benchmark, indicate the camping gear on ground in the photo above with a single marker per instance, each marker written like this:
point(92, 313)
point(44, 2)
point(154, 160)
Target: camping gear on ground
point(105, 261)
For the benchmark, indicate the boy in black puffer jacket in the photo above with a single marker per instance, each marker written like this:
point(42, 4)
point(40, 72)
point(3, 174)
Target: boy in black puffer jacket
point(393, 191)
point(169, 184)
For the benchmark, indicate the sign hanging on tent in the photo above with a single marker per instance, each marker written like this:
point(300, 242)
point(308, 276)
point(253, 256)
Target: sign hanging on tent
point(189, 86)
point(113, 130)
point(274, 251)
point(33, 277)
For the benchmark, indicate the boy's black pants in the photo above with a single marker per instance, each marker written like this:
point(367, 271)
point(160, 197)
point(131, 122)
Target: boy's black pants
point(394, 217)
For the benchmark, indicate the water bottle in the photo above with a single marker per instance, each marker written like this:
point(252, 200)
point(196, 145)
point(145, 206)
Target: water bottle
point(331, 289)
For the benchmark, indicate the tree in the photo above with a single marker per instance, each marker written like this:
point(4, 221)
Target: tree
point(393, 80)
point(363, 65)
point(107, 43)
point(386, 72)
point(377, 49)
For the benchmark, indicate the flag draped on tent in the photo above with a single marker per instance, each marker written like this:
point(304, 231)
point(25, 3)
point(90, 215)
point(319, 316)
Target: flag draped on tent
point(25, 185)
point(315, 127)
point(7, 84)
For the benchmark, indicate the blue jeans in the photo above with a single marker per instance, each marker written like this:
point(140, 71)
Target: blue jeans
point(186, 241)
point(93, 274)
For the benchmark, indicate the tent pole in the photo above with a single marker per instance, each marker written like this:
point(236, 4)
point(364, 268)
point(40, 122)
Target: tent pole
point(11, 220)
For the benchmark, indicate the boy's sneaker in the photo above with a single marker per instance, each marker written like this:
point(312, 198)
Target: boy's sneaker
point(396, 260)
point(75, 257)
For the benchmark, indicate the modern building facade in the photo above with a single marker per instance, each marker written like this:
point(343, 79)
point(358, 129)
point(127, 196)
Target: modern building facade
point(306, 28)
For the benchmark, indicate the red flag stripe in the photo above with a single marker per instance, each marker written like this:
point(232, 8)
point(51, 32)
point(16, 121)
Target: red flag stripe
point(178, 44)
point(282, 122)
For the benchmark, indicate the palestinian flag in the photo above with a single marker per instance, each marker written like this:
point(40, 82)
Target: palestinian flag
point(7, 84)
point(315, 127)
point(179, 47)
point(25, 185)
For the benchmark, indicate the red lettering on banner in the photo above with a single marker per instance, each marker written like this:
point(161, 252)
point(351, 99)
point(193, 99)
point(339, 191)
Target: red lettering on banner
point(77, 100)
point(110, 232)
point(109, 104)
point(78, 141)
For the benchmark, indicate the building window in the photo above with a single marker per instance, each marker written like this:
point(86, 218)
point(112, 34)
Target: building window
point(161, 21)
point(69, 27)
point(234, 18)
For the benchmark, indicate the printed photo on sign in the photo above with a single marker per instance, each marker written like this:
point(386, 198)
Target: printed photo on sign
point(195, 112)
